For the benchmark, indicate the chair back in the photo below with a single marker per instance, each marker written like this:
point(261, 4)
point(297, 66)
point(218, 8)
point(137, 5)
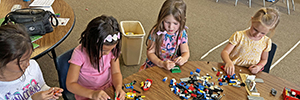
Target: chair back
point(270, 58)
point(62, 68)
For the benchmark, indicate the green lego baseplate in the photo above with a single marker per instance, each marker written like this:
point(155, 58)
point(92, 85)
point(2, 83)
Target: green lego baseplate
point(176, 69)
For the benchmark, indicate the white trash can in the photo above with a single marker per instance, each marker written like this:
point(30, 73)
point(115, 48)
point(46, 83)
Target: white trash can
point(132, 41)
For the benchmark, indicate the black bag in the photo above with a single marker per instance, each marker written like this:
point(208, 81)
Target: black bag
point(36, 21)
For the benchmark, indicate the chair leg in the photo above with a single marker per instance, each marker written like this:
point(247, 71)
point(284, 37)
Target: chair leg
point(217, 0)
point(288, 7)
point(264, 2)
point(293, 5)
point(249, 3)
point(236, 2)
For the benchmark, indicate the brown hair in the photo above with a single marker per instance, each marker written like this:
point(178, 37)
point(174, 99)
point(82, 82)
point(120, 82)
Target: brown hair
point(268, 17)
point(177, 8)
point(14, 43)
point(92, 38)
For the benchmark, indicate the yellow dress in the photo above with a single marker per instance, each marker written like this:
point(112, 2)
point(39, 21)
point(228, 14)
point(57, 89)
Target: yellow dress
point(247, 51)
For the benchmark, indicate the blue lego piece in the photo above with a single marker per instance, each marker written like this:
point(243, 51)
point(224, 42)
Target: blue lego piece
point(201, 87)
point(191, 73)
point(186, 87)
point(175, 90)
point(198, 70)
point(174, 87)
point(171, 82)
point(233, 76)
point(231, 81)
point(165, 79)
point(220, 83)
point(199, 92)
point(129, 87)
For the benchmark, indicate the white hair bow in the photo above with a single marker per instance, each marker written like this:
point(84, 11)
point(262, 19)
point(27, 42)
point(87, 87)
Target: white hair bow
point(115, 37)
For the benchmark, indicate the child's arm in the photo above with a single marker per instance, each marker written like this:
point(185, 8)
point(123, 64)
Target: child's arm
point(257, 67)
point(117, 78)
point(153, 58)
point(185, 54)
point(229, 66)
point(74, 87)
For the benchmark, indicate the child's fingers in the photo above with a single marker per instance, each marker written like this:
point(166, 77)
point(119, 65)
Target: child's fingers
point(50, 91)
point(48, 94)
point(170, 64)
point(178, 59)
point(227, 69)
point(57, 91)
point(230, 70)
point(104, 96)
point(120, 95)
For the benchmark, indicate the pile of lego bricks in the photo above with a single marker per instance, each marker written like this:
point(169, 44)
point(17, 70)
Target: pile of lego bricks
point(191, 87)
point(227, 79)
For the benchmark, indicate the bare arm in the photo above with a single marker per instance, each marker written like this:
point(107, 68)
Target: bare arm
point(229, 66)
point(74, 87)
point(263, 60)
point(153, 58)
point(117, 78)
point(185, 54)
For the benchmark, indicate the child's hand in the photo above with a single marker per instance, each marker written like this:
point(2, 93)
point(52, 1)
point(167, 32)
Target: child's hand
point(169, 64)
point(179, 60)
point(57, 92)
point(120, 94)
point(255, 68)
point(100, 95)
point(229, 68)
point(48, 94)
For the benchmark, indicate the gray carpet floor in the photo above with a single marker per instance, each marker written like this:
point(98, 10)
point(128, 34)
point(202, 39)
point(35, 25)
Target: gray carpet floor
point(210, 23)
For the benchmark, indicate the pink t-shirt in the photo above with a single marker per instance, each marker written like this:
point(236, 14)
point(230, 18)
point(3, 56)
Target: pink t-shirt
point(89, 77)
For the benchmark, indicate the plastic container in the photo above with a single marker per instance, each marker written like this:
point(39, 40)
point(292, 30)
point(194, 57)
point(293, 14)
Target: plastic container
point(132, 41)
point(287, 95)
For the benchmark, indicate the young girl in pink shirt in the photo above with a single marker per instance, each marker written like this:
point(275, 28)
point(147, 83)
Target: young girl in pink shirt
point(94, 65)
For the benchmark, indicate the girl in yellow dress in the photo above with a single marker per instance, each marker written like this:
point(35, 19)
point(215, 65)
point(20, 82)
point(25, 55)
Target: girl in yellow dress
point(250, 47)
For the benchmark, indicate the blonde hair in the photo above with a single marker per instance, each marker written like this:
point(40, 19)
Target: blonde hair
point(268, 17)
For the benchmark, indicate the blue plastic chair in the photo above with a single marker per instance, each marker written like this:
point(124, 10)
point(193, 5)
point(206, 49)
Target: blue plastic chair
point(62, 68)
point(270, 58)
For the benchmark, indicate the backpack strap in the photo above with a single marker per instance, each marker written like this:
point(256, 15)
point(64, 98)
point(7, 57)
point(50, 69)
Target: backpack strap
point(52, 16)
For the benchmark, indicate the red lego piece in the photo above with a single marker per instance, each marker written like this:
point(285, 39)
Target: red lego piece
point(185, 91)
point(218, 73)
point(222, 67)
point(192, 87)
point(193, 95)
point(220, 80)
